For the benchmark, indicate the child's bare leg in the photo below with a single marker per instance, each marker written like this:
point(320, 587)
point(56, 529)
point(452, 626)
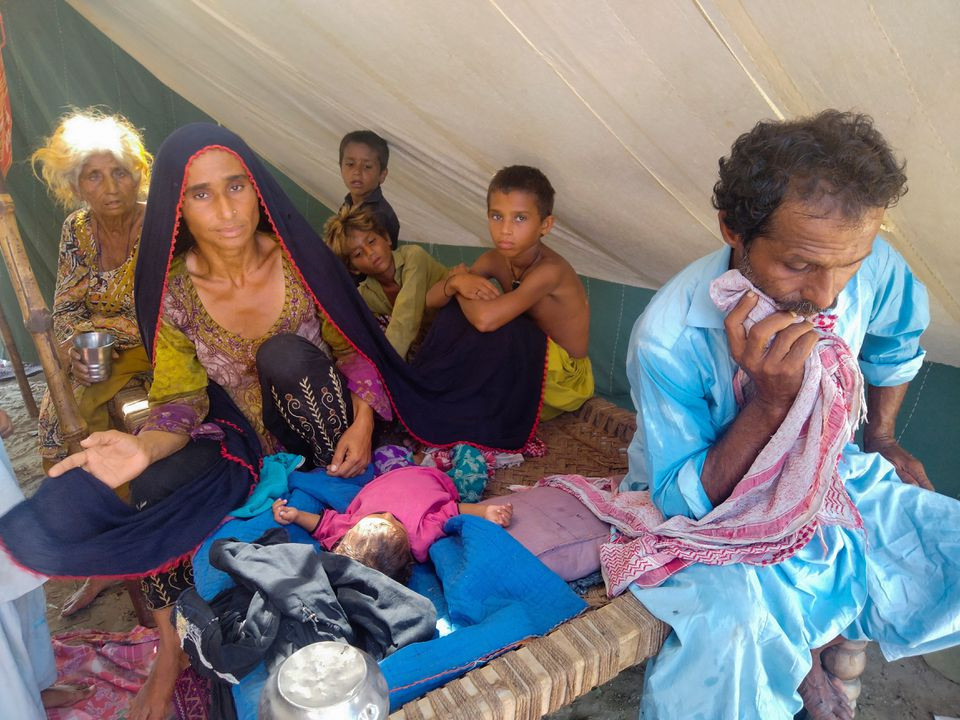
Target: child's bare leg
point(499, 514)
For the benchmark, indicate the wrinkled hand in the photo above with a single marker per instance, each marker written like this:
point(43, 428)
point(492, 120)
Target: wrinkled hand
point(909, 469)
point(81, 371)
point(473, 287)
point(6, 425)
point(353, 451)
point(283, 513)
point(113, 457)
point(772, 353)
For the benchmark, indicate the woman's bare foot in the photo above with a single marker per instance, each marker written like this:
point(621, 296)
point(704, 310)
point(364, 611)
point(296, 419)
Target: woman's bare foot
point(823, 696)
point(85, 595)
point(57, 696)
point(499, 514)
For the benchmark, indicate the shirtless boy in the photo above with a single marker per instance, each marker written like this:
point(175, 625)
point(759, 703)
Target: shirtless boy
point(534, 279)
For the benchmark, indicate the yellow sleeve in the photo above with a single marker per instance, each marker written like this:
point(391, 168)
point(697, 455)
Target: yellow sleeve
point(420, 273)
point(178, 395)
point(337, 342)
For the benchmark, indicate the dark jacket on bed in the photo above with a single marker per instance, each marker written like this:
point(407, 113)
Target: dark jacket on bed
point(289, 595)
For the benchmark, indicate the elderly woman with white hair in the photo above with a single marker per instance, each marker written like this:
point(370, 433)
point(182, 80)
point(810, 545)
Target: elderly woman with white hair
point(95, 165)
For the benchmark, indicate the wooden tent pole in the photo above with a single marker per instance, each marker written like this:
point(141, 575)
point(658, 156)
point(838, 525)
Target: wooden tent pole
point(16, 362)
point(39, 322)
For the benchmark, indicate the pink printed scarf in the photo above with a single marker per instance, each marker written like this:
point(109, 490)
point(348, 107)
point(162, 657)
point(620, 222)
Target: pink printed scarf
point(790, 490)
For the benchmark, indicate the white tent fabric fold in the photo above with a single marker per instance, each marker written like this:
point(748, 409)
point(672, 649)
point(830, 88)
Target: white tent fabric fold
point(625, 105)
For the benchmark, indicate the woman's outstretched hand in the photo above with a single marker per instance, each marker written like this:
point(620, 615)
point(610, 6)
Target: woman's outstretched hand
point(113, 457)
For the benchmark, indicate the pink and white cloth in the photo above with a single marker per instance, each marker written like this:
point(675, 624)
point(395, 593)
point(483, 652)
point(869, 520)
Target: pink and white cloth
point(788, 492)
point(116, 664)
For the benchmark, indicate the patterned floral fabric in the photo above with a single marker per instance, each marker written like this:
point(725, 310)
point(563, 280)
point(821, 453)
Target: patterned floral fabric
point(193, 348)
point(115, 663)
point(162, 589)
point(468, 467)
point(308, 407)
point(87, 299)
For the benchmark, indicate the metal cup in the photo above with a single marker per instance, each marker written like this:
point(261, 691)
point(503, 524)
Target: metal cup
point(96, 352)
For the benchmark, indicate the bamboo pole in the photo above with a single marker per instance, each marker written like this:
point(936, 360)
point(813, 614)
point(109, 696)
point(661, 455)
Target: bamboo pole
point(16, 362)
point(39, 322)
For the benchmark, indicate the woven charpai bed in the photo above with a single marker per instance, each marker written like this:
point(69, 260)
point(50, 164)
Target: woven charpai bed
point(548, 672)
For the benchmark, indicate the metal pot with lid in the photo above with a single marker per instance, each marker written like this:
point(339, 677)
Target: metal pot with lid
point(325, 681)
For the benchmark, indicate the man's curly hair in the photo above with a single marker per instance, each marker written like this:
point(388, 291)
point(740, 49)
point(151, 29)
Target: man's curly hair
point(835, 155)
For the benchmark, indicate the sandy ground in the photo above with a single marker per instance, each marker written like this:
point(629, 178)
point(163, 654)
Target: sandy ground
point(901, 690)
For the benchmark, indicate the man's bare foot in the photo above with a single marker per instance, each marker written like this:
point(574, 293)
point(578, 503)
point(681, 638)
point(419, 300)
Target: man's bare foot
point(85, 595)
point(499, 514)
point(822, 694)
point(153, 702)
point(57, 696)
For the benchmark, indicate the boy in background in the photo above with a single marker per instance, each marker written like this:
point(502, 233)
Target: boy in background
point(535, 280)
point(363, 166)
point(395, 282)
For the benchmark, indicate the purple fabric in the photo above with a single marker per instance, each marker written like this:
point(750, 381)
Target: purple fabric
point(557, 528)
point(391, 457)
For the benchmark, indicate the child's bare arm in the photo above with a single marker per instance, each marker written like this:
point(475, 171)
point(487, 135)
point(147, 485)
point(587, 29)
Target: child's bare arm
point(499, 514)
point(287, 514)
point(490, 315)
point(465, 282)
point(437, 295)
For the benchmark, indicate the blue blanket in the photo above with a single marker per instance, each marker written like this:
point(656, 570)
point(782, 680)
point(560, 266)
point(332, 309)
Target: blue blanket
point(489, 590)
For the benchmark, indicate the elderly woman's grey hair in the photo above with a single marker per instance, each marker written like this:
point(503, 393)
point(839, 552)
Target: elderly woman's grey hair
point(80, 135)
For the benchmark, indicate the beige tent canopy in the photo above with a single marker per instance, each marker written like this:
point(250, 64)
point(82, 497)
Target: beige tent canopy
point(625, 105)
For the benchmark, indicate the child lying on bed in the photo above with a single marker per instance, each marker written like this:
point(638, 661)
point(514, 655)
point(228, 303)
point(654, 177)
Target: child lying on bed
point(393, 520)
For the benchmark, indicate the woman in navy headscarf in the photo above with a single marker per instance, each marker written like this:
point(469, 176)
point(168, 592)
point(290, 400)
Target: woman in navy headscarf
point(231, 288)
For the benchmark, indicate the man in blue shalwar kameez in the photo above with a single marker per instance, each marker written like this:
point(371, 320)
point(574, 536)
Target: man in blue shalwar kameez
point(800, 205)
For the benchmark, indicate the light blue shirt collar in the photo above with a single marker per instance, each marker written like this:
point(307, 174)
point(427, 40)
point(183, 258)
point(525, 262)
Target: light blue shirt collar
point(703, 313)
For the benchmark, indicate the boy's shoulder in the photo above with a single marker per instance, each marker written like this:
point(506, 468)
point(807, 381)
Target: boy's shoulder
point(552, 257)
point(410, 254)
point(555, 263)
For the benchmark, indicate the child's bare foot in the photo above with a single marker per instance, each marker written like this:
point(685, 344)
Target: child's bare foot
point(85, 595)
point(57, 696)
point(154, 701)
point(499, 514)
point(823, 696)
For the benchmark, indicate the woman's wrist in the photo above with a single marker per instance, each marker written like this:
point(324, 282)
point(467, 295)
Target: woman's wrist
point(362, 414)
point(449, 278)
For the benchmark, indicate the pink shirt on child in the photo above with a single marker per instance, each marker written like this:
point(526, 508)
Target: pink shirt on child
point(421, 498)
